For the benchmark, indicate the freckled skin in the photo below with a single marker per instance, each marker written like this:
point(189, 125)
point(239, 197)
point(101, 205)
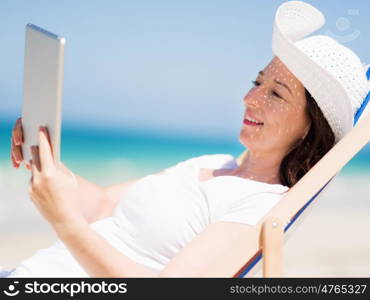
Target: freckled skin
point(285, 117)
point(285, 121)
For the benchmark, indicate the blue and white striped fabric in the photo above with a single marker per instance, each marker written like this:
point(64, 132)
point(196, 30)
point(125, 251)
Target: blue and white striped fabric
point(5, 273)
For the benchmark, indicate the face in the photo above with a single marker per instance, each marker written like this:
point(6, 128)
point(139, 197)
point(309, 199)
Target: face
point(278, 103)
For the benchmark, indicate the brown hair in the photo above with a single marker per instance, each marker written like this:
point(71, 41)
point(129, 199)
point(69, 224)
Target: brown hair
point(308, 151)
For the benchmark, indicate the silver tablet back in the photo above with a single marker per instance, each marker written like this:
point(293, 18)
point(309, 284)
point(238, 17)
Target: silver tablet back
point(42, 88)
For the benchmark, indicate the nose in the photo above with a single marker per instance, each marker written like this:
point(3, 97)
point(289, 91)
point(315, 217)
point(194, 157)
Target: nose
point(250, 101)
point(254, 97)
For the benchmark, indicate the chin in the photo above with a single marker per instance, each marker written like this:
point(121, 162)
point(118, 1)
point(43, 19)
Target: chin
point(244, 139)
point(247, 141)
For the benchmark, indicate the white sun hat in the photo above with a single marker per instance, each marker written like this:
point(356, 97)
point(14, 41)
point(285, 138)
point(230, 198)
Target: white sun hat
point(332, 73)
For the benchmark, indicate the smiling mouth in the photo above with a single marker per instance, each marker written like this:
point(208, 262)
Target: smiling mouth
point(252, 122)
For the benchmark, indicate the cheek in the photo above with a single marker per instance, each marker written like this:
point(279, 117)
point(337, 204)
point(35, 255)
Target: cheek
point(275, 114)
point(282, 122)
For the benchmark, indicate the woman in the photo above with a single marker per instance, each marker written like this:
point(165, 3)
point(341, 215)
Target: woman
point(166, 224)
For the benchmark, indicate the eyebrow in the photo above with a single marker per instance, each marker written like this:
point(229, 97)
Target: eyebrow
point(278, 82)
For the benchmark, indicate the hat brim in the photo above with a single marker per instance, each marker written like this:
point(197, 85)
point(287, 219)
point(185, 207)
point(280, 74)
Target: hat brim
point(294, 20)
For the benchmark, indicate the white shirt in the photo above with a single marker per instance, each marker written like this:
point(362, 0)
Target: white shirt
point(161, 214)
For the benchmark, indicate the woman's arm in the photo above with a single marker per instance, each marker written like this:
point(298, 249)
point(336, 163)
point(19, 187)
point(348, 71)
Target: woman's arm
point(205, 254)
point(97, 202)
point(113, 194)
point(91, 199)
point(55, 193)
point(96, 255)
point(218, 240)
point(94, 201)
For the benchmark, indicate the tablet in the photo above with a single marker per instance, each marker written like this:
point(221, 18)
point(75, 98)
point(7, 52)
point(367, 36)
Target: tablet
point(42, 88)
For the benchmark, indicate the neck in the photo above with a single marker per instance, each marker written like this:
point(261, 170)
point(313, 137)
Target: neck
point(260, 166)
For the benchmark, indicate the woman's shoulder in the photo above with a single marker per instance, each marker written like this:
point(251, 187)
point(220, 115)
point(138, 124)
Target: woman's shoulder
point(207, 161)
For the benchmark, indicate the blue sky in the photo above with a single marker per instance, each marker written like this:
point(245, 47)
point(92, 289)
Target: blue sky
point(180, 67)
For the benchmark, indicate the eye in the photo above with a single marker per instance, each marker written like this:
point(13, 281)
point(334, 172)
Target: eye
point(276, 94)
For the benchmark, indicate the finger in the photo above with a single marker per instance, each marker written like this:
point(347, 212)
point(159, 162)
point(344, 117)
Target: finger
point(31, 179)
point(46, 156)
point(36, 158)
point(35, 173)
point(15, 165)
point(46, 131)
point(17, 152)
point(12, 158)
point(18, 132)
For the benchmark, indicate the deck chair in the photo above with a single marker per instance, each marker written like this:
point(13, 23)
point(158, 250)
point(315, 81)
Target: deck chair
point(265, 241)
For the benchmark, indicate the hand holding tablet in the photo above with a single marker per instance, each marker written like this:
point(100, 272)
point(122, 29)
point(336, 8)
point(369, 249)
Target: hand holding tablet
point(42, 94)
point(18, 140)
